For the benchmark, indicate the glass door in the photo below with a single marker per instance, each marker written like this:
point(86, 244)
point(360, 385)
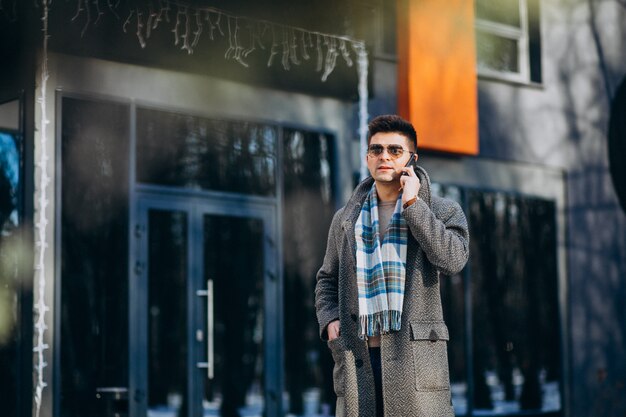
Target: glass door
point(233, 346)
point(205, 295)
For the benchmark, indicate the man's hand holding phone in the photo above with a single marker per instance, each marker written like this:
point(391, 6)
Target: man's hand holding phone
point(409, 182)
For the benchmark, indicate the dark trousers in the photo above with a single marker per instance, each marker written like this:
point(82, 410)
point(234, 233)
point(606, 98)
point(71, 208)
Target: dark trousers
point(378, 379)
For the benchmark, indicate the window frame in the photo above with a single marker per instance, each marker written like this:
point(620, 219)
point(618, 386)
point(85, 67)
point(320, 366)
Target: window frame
point(520, 35)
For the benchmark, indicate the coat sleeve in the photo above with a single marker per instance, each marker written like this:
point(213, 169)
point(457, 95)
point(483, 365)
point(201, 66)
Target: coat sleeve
point(441, 232)
point(327, 288)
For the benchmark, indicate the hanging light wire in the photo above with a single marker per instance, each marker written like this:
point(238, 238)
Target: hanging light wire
point(42, 221)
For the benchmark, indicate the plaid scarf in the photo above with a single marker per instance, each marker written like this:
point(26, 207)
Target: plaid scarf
point(380, 268)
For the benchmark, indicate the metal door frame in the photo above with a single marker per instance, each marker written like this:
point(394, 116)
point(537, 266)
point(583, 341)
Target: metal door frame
point(197, 204)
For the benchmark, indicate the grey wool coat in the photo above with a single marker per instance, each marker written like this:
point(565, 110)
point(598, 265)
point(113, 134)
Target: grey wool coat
point(416, 380)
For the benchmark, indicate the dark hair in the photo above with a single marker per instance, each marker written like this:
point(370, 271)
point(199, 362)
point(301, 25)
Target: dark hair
point(390, 123)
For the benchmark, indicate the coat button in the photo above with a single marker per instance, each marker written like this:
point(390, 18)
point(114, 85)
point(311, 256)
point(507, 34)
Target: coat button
point(354, 317)
point(358, 363)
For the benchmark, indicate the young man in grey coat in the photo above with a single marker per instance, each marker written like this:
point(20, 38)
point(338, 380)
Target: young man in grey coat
point(377, 294)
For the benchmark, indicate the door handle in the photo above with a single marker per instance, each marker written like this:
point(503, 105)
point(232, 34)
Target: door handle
point(210, 321)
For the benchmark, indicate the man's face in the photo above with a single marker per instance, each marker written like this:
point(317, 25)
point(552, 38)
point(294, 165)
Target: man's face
point(387, 167)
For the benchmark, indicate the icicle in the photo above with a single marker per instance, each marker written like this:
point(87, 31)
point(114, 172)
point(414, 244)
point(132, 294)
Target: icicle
point(139, 33)
point(79, 9)
point(211, 25)
point(285, 59)
point(253, 41)
point(127, 21)
point(88, 10)
point(231, 45)
point(331, 57)
point(186, 46)
point(198, 30)
point(274, 49)
point(175, 30)
point(238, 48)
point(151, 16)
point(344, 53)
point(293, 54)
point(218, 24)
point(98, 11)
point(305, 54)
point(320, 54)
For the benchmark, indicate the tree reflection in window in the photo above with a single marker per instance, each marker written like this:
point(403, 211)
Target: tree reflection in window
point(307, 212)
point(180, 150)
point(516, 328)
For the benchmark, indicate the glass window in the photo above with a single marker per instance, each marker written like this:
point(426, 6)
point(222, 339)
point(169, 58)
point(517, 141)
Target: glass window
point(511, 285)
point(389, 27)
point(508, 39)
point(496, 52)
point(11, 253)
point(514, 290)
point(94, 253)
point(307, 212)
point(180, 150)
point(506, 12)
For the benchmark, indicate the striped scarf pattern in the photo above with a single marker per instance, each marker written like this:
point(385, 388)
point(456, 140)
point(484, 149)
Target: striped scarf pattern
point(380, 268)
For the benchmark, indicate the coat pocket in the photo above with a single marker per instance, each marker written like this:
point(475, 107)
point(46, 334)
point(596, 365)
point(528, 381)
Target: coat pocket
point(429, 341)
point(339, 370)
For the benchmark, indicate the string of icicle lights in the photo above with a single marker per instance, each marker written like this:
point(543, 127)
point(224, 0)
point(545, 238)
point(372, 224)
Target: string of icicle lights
point(41, 223)
point(292, 45)
point(245, 36)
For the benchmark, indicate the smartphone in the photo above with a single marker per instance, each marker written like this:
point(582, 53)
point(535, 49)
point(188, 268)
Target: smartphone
point(410, 162)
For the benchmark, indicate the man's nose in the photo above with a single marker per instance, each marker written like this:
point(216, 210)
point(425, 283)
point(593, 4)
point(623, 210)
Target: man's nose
point(386, 155)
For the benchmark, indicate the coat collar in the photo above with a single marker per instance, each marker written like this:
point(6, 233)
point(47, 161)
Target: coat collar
point(353, 206)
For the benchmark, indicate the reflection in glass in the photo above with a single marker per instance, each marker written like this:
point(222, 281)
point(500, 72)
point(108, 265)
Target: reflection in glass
point(186, 151)
point(496, 52)
point(167, 313)
point(10, 252)
point(94, 252)
point(307, 213)
point(506, 12)
point(515, 304)
point(9, 183)
point(233, 261)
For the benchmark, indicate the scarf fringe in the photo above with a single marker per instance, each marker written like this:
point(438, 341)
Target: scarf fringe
point(382, 322)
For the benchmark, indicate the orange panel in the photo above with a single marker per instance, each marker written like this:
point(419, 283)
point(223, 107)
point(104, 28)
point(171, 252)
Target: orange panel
point(437, 82)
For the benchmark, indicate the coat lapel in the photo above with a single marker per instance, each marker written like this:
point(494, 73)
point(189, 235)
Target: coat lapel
point(353, 206)
point(352, 211)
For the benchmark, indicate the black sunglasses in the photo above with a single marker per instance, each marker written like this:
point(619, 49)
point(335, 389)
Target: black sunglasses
point(395, 151)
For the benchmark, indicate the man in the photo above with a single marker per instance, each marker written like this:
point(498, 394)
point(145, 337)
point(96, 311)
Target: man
point(377, 294)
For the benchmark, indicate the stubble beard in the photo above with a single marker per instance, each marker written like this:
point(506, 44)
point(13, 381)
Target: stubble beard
point(387, 178)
